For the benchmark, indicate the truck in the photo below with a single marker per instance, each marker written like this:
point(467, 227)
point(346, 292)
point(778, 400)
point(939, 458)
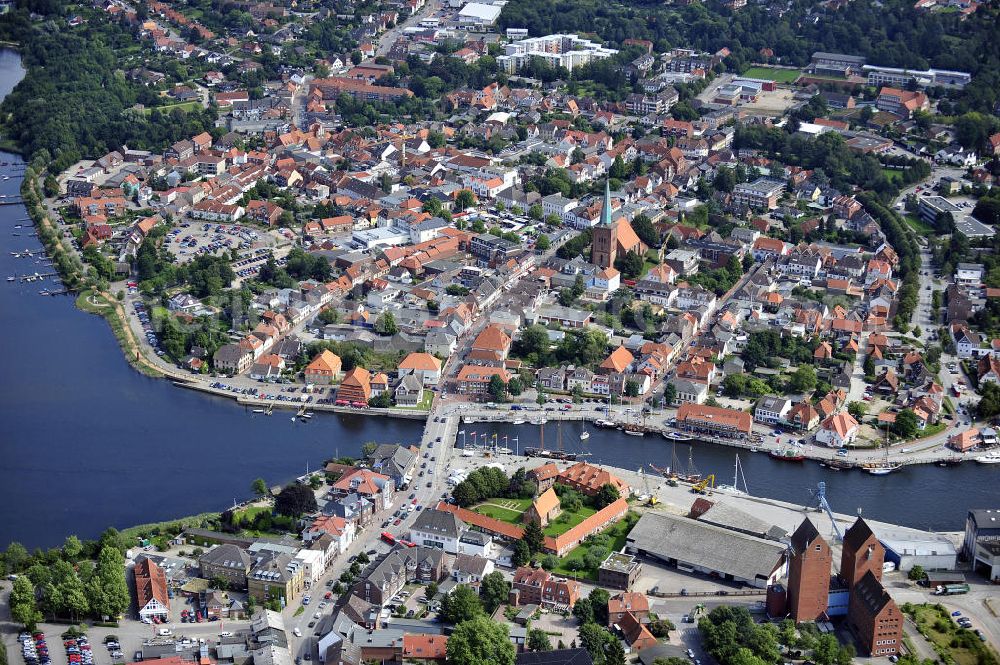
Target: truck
point(951, 589)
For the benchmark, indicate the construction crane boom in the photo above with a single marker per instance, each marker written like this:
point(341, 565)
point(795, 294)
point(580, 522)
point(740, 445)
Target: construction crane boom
point(701, 485)
point(820, 494)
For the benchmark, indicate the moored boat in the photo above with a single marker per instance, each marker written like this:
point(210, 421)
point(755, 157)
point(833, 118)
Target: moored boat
point(786, 455)
point(989, 458)
point(677, 436)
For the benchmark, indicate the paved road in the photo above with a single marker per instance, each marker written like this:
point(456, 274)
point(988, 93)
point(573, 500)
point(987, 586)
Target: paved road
point(389, 37)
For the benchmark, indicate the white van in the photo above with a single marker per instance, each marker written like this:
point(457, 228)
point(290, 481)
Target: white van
point(225, 633)
point(163, 631)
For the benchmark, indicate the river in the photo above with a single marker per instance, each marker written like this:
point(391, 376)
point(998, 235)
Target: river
point(88, 443)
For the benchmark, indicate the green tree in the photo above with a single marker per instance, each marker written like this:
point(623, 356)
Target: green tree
point(533, 536)
point(15, 558)
point(385, 324)
point(23, 608)
point(599, 603)
point(803, 379)
point(295, 500)
point(916, 573)
point(72, 548)
point(259, 487)
point(107, 589)
point(543, 243)
point(607, 495)
point(857, 410)
point(493, 591)
point(497, 389)
point(644, 228)
point(907, 424)
point(669, 394)
point(614, 652)
point(481, 642)
point(522, 554)
point(431, 590)
point(464, 199)
point(596, 640)
point(583, 611)
point(538, 640)
point(535, 211)
point(461, 605)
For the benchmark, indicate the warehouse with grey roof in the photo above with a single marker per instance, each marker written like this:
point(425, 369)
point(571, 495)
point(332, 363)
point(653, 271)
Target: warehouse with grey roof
point(694, 546)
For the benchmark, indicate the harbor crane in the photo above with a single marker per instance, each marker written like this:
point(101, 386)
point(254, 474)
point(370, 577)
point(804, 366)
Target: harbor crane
point(820, 495)
point(707, 482)
point(651, 499)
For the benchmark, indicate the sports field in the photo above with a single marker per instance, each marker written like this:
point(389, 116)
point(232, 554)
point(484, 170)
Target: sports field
point(779, 75)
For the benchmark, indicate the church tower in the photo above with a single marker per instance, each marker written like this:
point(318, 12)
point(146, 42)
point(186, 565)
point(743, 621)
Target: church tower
point(604, 243)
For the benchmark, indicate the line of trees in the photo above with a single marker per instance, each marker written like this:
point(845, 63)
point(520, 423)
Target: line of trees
point(75, 581)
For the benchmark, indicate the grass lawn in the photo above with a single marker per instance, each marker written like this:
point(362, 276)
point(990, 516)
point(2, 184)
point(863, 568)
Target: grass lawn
point(618, 532)
point(958, 645)
point(919, 225)
point(505, 510)
point(167, 108)
point(424, 404)
point(566, 521)
point(779, 75)
point(249, 513)
point(893, 175)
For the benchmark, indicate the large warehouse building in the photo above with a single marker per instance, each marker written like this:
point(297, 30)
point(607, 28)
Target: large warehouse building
point(694, 546)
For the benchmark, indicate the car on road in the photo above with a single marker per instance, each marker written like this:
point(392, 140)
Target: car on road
point(956, 613)
point(297, 632)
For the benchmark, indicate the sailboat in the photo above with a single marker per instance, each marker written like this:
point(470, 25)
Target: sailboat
point(558, 454)
point(735, 487)
point(885, 467)
point(584, 435)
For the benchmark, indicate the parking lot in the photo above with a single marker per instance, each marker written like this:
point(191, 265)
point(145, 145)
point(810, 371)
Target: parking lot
point(192, 239)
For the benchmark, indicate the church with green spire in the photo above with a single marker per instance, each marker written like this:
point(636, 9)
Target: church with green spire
point(612, 237)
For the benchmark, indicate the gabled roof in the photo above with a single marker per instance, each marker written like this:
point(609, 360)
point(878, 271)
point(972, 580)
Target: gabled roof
point(857, 534)
point(619, 360)
point(804, 536)
point(545, 503)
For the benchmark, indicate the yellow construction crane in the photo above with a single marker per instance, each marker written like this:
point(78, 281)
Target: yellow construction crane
point(701, 485)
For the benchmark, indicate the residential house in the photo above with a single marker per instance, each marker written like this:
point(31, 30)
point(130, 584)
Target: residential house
point(151, 594)
point(838, 430)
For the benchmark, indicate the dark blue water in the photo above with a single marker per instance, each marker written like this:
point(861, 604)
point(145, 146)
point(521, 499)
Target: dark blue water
point(86, 442)
point(919, 496)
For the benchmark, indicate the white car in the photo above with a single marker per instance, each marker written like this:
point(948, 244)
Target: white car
point(297, 632)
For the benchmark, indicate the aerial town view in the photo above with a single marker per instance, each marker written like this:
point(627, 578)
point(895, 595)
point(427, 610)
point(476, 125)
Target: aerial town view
point(500, 332)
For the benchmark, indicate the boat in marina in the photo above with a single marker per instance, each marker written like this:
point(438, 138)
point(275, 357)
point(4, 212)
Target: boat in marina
point(518, 421)
point(633, 430)
point(837, 464)
point(989, 458)
point(735, 488)
point(678, 436)
point(787, 455)
point(584, 435)
point(883, 468)
point(604, 424)
point(949, 461)
point(557, 454)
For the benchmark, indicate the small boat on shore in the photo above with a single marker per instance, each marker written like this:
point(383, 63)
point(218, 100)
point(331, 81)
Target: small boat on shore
point(786, 455)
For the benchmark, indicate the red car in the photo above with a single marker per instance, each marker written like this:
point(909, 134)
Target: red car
point(328, 595)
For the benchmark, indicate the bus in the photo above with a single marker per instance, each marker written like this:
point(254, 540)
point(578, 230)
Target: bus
point(388, 537)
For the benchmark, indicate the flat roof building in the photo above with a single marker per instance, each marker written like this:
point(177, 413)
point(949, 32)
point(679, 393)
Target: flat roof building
point(569, 51)
point(693, 546)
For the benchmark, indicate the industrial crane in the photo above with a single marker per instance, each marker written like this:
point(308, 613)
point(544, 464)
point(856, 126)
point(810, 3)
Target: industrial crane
point(701, 485)
point(820, 495)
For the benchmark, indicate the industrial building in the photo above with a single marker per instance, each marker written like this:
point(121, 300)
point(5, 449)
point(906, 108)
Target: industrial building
point(693, 546)
point(981, 525)
point(907, 548)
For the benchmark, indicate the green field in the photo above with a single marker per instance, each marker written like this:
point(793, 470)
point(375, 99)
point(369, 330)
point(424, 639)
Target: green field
point(566, 521)
point(919, 225)
point(779, 75)
point(505, 510)
point(893, 175)
point(618, 533)
point(182, 106)
point(954, 644)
